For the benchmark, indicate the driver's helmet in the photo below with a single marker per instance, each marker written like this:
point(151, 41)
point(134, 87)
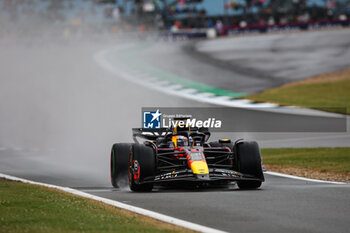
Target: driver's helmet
point(180, 141)
point(181, 128)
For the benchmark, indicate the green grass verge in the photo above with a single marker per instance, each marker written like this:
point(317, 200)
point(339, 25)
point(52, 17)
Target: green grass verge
point(321, 159)
point(31, 208)
point(331, 96)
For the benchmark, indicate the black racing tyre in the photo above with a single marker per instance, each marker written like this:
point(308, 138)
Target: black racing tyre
point(146, 162)
point(249, 162)
point(119, 164)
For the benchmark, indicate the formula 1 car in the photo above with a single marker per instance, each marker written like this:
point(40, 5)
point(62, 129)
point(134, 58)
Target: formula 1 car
point(183, 154)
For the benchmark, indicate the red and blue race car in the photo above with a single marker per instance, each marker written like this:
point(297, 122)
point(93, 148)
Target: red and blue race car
point(181, 154)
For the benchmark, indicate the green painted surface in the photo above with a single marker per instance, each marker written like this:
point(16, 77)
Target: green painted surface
point(131, 59)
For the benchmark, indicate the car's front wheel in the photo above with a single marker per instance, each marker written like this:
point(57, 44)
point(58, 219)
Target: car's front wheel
point(119, 164)
point(249, 162)
point(142, 164)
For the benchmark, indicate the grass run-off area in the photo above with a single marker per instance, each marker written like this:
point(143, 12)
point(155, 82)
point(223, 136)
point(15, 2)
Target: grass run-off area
point(335, 160)
point(327, 92)
point(32, 208)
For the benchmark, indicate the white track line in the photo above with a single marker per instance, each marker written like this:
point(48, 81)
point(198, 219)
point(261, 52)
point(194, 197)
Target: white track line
point(302, 178)
point(123, 72)
point(192, 94)
point(148, 213)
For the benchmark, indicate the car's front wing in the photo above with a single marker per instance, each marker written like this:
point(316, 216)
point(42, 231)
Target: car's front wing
point(215, 174)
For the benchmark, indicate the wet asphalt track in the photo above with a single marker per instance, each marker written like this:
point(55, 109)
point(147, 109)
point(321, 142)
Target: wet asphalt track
point(60, 113)
point(282, 205)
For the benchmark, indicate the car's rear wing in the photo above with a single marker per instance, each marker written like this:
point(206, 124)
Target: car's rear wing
point(153, 134)
point(149, 134)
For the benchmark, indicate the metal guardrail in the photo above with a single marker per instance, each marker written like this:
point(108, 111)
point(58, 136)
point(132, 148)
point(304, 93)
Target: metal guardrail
point(235, 30)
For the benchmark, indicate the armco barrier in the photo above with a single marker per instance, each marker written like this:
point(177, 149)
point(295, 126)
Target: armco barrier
point(285, 27)
point(233, 30)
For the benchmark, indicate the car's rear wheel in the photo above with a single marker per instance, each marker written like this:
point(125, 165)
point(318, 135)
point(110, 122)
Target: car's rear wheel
point(119, 164)
point(142, 164)
point(249, 162)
